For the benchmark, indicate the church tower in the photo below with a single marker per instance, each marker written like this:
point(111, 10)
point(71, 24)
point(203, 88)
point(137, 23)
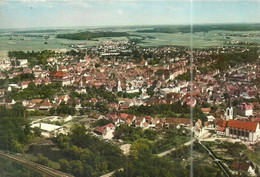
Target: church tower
point(229, 111)
point(119, 88)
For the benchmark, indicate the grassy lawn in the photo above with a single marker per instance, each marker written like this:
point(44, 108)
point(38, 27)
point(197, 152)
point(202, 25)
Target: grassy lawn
point(164, 145)
point(253, 156)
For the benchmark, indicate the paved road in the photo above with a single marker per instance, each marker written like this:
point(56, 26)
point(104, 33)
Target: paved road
point(111, 173)
point(173, 149)
point(204, 135)
point(45, 171)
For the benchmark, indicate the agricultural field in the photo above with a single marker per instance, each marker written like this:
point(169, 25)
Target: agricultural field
point(32, 40)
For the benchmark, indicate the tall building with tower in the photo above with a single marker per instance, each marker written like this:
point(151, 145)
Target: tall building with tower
point(229, 111)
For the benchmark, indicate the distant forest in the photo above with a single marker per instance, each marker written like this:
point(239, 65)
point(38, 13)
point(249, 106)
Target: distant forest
point(202, 28)
point(87, 35)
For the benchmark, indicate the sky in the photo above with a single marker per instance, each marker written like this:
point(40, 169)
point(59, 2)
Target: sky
point(66, 13)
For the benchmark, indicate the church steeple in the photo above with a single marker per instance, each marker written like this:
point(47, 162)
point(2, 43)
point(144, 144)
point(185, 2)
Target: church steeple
point(229, 111)
point(119, 88)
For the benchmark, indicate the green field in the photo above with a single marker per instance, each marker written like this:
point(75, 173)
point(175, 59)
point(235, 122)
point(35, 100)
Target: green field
point(200, 40)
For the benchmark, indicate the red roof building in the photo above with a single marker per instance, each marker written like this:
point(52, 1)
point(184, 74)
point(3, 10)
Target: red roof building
point(247, 131)
point(250, 126)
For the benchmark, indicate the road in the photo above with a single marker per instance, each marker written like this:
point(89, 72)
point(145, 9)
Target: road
point(111, 173)
point(204, 135)
point(173, 149)
point(45, 171)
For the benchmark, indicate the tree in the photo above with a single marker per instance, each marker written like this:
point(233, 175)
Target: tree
point(16, 146)
point(43, 160)
point(13, 63)
point(64, 165)
point(37, 131)
point(19, 110)
point(31, 86)
point(82, 111)
point(76, 167)
point(52, 111)
point(141, 150)
point(78, 134)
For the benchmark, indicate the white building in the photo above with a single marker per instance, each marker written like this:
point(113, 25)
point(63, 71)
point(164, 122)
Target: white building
point(47, 129)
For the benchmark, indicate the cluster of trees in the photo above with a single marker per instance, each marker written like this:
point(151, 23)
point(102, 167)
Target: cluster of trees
point(33, 91)
point(141, 162)
point(167, 110)
point(86, 155)
point(200, 169)
point(23, 77)
point(43, 160)
point(101, 122)
point(75, 53)
point(171, 137)
point(186, 76)
point(202, 28)
point(130, 134)
point(64, 109)
point(87, 35)
point(154, 61)
point(225, 60)
point(135, 40)
point(233, 149)
point(129, 95)
point(34, 58)
point(93, 92)
point(12, 168)
point(18, 110)
point(14, 128)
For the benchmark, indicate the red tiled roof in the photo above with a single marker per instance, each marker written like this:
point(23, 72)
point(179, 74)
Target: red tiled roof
point(256, 120)
point(240, 166)
point(148, 118)
point(58, 74)
point(221, 123)
point(177, 121)
point(100, 130)
point(123, 115)
point(25, 83)
point(205, 109)
point(221, 129)
point(128, 121)
point(108, 125)
point(251, 126)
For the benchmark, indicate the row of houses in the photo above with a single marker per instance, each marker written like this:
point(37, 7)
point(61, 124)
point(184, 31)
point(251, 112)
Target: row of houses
point(145, 122)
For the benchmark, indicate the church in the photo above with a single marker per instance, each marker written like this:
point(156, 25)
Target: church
point(241, 129)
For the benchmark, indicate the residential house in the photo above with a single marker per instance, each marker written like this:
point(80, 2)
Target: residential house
point(45, 105)
point(177, 122)
point(243, 167)
point(107, 131)
point(25, 84)
point(139, 122)
point(245, 109)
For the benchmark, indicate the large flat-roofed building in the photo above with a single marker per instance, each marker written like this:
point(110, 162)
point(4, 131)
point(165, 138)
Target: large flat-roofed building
point(47, 128)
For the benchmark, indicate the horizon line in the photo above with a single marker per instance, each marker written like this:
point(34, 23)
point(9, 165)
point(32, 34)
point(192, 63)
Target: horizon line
point(122, 26)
